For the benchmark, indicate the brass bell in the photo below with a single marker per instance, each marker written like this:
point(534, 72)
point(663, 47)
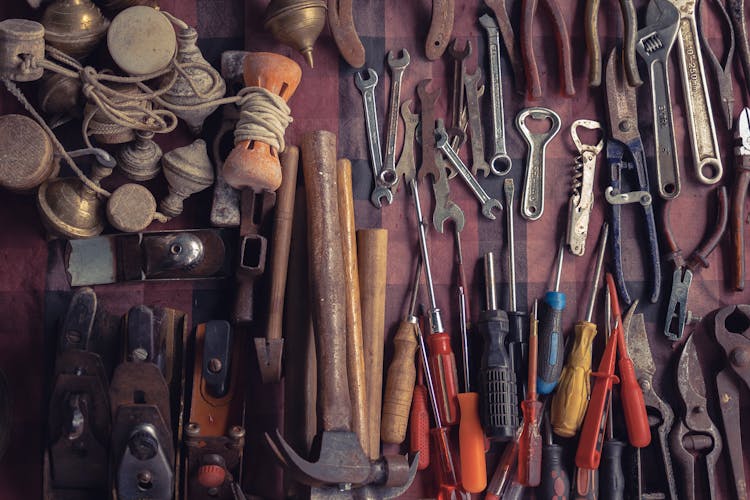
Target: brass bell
point(60, 94)
point(297, 23)
point(188, 170)
point(139, 160)
point(74, 26)
point(206, 80)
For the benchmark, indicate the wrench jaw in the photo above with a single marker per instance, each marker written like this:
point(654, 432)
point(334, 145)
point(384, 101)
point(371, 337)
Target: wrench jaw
point(378, 194)
point(489, 206)
point(501, 164)
point(370, 82)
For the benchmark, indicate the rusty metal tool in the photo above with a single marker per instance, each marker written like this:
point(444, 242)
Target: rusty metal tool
point(532, 200)
point(500, 164)
point(654, 45)
point(474, 91)
point(696, 442)
point(341, 22)
point(625, 156)
point(722, 72)
point(487, 203)
point(736, 12)
point(459, 121)
point(702, 134)
point(630, 22)
point(581, 199)
point(428, 101)
point(741, 183)
point(398, 65)
point(685, 269)
point(660, 414)
point(732, 332)
point(342, 467)
point(533, 82)
point(509, 40)
point(441, 27)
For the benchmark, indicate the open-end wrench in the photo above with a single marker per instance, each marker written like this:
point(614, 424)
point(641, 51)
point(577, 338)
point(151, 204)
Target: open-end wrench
point(428, 100)
point(458, 106)
point(500, 163)
point(488, 203)
point(654, 44)
point(398, 66)
point(532, 200)
point(474, 90)
point(406, 166)
point(706, 158)
point(367, 87)
point(445, 208)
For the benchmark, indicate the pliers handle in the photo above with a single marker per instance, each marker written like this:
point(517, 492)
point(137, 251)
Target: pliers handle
point(630, 21)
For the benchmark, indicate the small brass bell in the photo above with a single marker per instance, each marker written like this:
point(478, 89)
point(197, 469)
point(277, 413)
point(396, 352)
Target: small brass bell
point(60, 94)
point(139, 160)
point(74, 26)
point(206, 80)
point(297, 23)
point(188, 170)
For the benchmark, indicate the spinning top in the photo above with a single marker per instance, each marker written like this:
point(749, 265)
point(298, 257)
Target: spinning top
point(188, 170)
point(26, 158)
point(297, 23)
point(20, 38)
point(141, 40)
point(74, 26)
point(204, 78)
point(139, 160)
point(255, 164)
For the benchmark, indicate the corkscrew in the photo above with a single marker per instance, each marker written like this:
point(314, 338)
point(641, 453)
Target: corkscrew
point(582, 194)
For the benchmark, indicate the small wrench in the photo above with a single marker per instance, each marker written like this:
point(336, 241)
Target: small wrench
point(458, 106)
point(500, 164)
point(407, 167)
point(428, 100)
point(445, 209)
point(532, 201)
point(367, 87)
point(485, 200)
point(398, 66)
point(473, 92)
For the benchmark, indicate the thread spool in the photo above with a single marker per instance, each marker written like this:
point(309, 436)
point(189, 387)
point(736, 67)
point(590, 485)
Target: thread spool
point(255, 164)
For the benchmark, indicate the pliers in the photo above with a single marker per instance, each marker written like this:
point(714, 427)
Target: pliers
point(741, 183)
point(625, 155)
point(695, 434)
point(629, 40)
point(677, 311)
point(533, 83)
point(737, 15)
point(732, 332)
point(722, 73)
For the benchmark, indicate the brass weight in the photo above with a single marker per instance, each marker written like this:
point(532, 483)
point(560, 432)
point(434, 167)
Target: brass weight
point(26, 154)
point(139, 160)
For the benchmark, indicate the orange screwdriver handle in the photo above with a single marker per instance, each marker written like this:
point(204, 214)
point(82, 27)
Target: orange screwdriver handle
point(530, 445)
point(419, 427)
point(633, 405)
point(443, 368)
point(471, 444)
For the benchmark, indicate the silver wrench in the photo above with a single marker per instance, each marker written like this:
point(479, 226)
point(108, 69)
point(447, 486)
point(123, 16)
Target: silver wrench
point(706, 158)
point(445, 208)
point(367, 87)
point(485, 200)
point(500, 164)
point(473, 92)
point(532, 200)
point(388, 174)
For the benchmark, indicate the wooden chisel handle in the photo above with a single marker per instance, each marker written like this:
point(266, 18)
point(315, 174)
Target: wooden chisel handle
point(399, 384)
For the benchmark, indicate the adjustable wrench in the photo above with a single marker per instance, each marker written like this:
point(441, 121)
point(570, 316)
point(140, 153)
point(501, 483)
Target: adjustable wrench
point(500, 163)
point(485, 200)
point(367, 87)
point(398, 66)
point(532, 200)
point(474, 91)
point(698, 105)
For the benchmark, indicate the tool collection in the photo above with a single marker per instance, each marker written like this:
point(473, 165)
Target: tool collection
point(147, 406)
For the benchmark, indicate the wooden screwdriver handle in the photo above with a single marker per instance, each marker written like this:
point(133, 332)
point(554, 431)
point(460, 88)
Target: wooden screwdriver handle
point(327, 281)
point(355, 356)
point(399, 384)
point(372, 247)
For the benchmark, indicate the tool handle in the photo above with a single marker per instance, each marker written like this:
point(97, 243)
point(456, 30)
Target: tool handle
point(555, 482)
point(471, 444)
point(503, 473)
point(611, 478)
point(592, 42)
point(399, 385)
point(445, 470)
point(419, 427)
point(530, 445)
point(518, 349)
point(497, 380)
point(572, 396)
point(633, 405)
point(550, 363)
point(586, 484)
point(443, 369)
point(737, 220)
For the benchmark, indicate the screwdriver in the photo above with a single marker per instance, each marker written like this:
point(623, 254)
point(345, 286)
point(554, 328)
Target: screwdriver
point(517, 344)
point(504, 472)
point(419, 423)
point(470, 434)
point(399, 385)
point(498, 388)
point(442, 359)
point(555, 484)
point(550, 333)
point(530, 442)
point(585, 485)
point(572, 397)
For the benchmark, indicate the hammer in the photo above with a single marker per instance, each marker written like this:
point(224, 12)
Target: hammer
point(342, 469)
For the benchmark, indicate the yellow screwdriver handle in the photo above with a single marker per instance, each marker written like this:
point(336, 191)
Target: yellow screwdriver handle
point(572, 397)
point(399, 385)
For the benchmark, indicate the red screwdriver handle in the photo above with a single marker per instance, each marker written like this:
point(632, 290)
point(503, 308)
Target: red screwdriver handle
point(445, 376)
point(633, 405)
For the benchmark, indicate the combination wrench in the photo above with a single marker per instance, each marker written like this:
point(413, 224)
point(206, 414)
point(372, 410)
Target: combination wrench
point(474, 90)
point(706, 158)
point(367, 87)
point(398, 66)
point(532, 200)
point(488, 203)
point(500, 164)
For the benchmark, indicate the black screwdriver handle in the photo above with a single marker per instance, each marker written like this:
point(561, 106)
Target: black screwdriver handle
point(611, 478)
point(555, 481)
point(497, 380)
point(518, 348)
